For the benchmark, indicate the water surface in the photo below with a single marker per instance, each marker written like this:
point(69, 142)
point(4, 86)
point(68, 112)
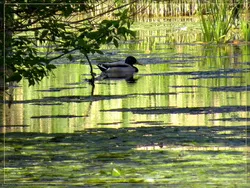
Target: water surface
point(182, 83)
point(183, 121)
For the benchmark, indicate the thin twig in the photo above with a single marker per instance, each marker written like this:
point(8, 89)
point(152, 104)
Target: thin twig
point(92, 80)
point(62, 54)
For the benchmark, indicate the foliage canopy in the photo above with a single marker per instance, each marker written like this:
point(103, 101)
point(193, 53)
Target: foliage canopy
point(63, 27)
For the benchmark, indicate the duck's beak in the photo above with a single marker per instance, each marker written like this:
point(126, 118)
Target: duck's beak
point(139, 63)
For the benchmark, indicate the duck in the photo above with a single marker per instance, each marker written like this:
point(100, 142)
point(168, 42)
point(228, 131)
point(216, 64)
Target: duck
point(118, 70)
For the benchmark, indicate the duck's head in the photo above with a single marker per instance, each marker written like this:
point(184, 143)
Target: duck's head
point(131, 60)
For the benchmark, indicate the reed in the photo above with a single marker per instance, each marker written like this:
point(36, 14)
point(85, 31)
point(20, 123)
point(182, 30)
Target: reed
point(174, 8)
point(217, 23)
point(219, 19)
point(245, 27)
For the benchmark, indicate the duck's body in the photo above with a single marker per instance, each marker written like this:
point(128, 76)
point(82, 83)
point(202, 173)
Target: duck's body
point(119, 69)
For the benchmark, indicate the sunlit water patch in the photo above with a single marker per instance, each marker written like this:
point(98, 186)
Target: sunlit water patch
point(180, 84)
point(205, 94)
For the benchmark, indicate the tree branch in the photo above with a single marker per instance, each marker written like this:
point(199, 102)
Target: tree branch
point(92, 80)
point(62, 54)
point(27, 29)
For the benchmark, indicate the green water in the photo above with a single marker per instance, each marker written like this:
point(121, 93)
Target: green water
point(177, 76)
point(182, 123)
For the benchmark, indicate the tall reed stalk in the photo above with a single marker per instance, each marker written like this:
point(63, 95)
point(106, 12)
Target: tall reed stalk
point(217, 21)
point(245, 25)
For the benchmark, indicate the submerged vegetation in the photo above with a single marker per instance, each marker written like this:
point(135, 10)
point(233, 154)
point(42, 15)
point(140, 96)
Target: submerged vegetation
point(139, 157)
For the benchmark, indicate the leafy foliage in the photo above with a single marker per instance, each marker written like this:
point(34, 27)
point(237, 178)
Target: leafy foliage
point(63, 27)
point(219, 20)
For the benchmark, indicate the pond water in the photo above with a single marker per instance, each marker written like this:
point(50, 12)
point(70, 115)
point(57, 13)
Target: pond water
point(182, 83)
point(182, 122)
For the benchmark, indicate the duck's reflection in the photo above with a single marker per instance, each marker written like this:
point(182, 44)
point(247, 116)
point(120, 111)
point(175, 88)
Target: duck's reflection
point(128, 79)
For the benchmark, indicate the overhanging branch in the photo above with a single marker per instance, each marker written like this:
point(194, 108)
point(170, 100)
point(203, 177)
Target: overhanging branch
point(62, 54)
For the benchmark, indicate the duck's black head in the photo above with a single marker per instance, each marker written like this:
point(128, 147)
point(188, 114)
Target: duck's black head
point(131, 60)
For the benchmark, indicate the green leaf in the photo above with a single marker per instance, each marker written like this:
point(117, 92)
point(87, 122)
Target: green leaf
point(124, 14)
point(107, 23)
point(115, 41)
point(44, 33)
point(128, 24)
point(59, 49)
point(67, 11)
point(99, 52)
point(65, 51)
point(81, 42)
point(116, 24)
point(36, 33)
point(60, 25)
point(50, 66)
point(132, 33)
point(115, 172)
point(15, 77)
point(70, 57)
point(109, 39)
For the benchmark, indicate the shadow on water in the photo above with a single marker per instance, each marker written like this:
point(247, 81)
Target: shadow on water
point(174, 110)
point(180, 84)
point(168, 155)
point(81, 98)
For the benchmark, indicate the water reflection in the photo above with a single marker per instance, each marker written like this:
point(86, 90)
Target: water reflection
point(182, 85)
point(129, 79)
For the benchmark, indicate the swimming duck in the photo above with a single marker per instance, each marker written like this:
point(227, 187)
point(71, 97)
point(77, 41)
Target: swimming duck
point(119, 69)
